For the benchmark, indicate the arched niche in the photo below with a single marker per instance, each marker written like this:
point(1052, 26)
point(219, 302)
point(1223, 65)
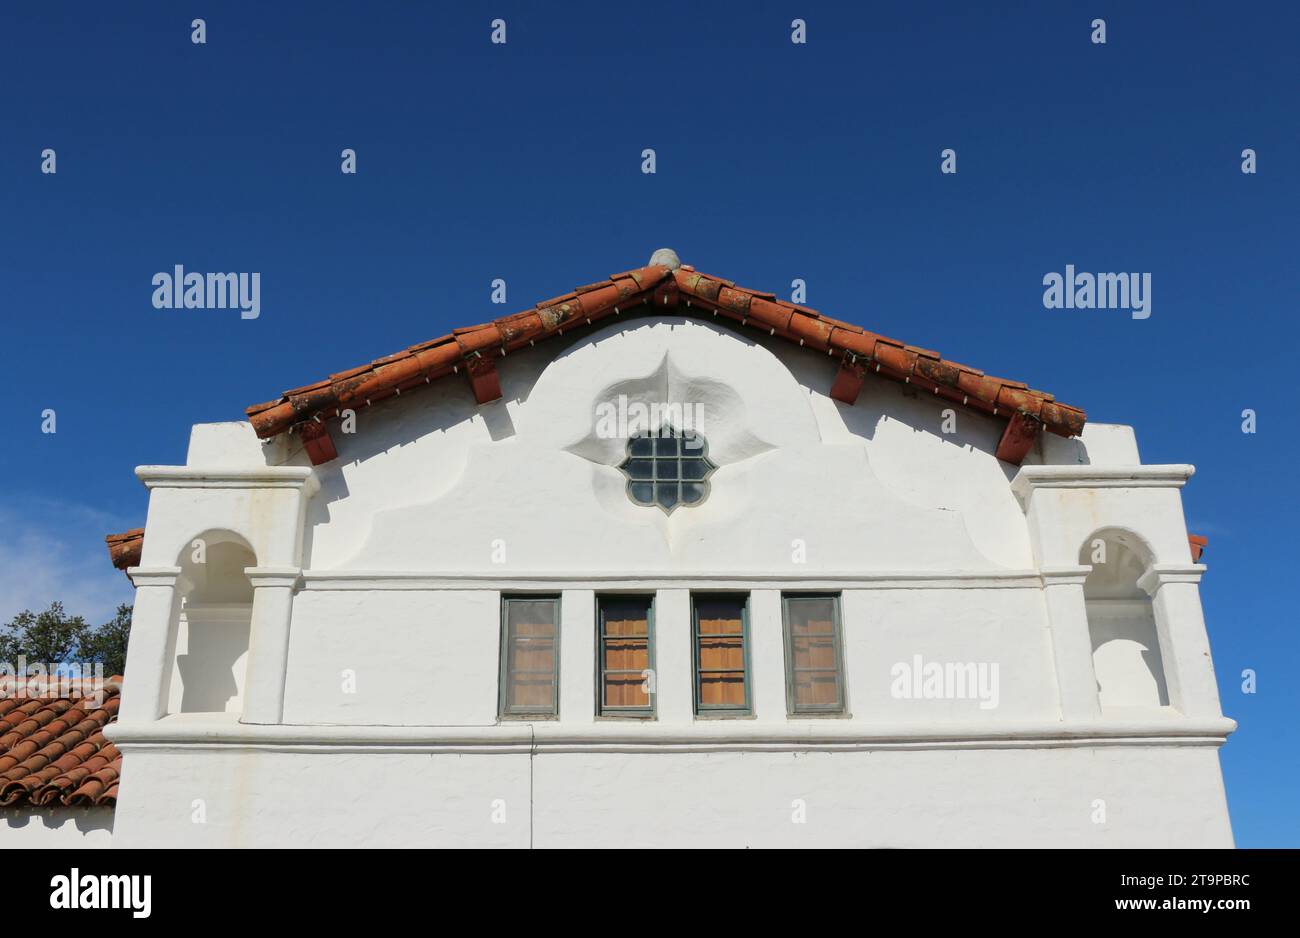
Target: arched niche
point(213, 619)
point(1126, 652)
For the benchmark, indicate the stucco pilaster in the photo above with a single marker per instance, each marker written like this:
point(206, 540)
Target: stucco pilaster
point(151, 648)
point(767, 655)
point(1067, 618)
point(268, 643)
point(577, 652)
point(1184, 642)
point(674, 669)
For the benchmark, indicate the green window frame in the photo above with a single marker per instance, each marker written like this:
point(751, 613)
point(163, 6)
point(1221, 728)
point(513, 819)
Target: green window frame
point(707, 644)
point(802, 686)
point(607, 644)
point(523, 691)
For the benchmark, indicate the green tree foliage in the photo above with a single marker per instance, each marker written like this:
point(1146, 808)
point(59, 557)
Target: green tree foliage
point(107, 644)
point(53, 637)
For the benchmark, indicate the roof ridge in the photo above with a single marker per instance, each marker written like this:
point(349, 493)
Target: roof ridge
point(436, 358)
point(476, 349)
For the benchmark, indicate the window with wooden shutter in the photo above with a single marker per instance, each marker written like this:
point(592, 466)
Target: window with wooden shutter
point(813, 656)
point(530, 661)
point(626, 649)
point(721, 636)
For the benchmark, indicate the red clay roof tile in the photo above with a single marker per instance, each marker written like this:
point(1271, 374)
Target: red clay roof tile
point(124, 549)
point(701, 294)
point(53, 749)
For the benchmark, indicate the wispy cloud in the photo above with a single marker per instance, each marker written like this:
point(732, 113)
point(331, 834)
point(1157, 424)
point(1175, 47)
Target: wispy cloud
point(54, 550)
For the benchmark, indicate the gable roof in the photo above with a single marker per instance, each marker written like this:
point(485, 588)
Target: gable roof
point(663, 283)
point(53, 750)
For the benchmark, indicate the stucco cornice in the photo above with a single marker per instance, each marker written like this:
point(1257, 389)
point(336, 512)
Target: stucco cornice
point(1163, 573)
point(153, 576)
point(261, 477)
point(1032, 478)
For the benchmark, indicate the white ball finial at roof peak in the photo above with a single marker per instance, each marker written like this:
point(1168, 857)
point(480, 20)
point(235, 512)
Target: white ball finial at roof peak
point(666, 257)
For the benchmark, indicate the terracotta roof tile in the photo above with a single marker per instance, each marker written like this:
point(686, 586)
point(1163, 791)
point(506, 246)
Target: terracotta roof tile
point(702, 294)
point(52, 748)
point(124, 549)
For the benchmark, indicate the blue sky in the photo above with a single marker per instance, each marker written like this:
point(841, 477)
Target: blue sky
point(775, 161)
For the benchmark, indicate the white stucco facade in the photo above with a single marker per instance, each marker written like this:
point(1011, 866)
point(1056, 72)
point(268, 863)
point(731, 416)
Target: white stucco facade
point(326, 670)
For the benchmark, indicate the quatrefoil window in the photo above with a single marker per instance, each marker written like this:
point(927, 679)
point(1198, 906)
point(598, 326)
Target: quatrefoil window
point(667, 469)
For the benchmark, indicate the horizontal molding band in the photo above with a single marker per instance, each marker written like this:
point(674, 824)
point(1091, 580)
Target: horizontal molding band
point(264, 477)
point(389, 580)
point(1164, 573)
point(711, 736)
point(1031, 478)
point(153, 576)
